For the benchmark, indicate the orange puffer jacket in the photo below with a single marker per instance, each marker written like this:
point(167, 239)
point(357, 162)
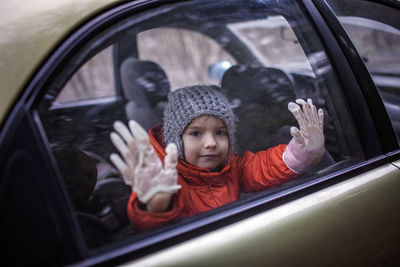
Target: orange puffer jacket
point(203, 190)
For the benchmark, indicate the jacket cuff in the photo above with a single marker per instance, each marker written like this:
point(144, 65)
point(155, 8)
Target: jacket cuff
point(143, 220)
point(300, 160)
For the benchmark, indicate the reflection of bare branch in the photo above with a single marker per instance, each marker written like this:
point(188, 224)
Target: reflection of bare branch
point(379, 49)
point(183, 54)
point(94, 79)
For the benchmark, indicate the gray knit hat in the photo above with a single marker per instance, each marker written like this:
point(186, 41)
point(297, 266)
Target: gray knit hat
point(188, 103)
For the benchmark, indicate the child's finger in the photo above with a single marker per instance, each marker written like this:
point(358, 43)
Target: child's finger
point(171, 159)
point(138, 130)
point(121, 167)
point(297, 113)
point(298, 138)
point(120, 145)
point(141, 136)
point(306, 110)
point(134, 153)
point(314, 112)
point(321, 119)
point(123, 131)
point(300, 101)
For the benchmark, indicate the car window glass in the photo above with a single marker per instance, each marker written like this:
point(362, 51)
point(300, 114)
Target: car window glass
point(152, 53)
point(95, 79)
point(375, 31)
point(273, 42)
point(185, 55)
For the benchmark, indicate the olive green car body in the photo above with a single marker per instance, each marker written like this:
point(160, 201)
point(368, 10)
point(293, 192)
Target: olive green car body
point(30, 31)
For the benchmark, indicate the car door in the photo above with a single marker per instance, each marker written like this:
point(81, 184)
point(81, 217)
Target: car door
point(263, 54)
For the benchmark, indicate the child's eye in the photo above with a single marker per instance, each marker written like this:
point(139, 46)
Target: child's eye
point(221, 132)
point(195, 133)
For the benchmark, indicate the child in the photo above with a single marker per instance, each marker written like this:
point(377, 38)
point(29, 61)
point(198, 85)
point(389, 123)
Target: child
point(201, 170)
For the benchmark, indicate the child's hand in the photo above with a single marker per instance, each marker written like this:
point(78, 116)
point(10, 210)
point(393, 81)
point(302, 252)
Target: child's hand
point(140, 167)
point(307, 147)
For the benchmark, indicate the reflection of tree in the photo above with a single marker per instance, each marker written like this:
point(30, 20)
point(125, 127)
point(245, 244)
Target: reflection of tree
point(94, 79)
point(183, 54)
point(379, 49)
point(78, 84)
point(278, 46)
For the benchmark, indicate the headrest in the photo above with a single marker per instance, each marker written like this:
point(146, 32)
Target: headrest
point(144, 81)
point(259, 97)
point(253, 84)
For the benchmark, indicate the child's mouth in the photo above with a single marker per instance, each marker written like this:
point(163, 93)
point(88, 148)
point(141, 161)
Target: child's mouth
point(208, 156)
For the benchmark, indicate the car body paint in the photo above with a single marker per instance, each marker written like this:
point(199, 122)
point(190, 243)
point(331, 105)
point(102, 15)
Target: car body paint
point(30, 30)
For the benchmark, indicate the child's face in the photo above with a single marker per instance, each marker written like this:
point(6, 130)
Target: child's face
point(205, 142)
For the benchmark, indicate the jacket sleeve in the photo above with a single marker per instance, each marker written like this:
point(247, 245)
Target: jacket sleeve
point(143, 220)
point(264, 169)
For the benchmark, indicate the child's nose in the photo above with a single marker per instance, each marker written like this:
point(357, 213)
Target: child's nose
point(210, 141)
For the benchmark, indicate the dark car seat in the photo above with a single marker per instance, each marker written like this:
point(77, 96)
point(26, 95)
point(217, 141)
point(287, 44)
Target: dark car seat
point(146, 87)
point(259, 96)
point(79, 173)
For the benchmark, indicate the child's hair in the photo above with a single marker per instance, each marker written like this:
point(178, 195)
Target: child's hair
point(188, 103)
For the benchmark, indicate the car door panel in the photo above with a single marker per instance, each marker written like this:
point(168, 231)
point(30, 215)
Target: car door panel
point(337, 226)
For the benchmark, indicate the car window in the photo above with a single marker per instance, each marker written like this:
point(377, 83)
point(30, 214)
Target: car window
point(375, 31)
point(263, 54)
